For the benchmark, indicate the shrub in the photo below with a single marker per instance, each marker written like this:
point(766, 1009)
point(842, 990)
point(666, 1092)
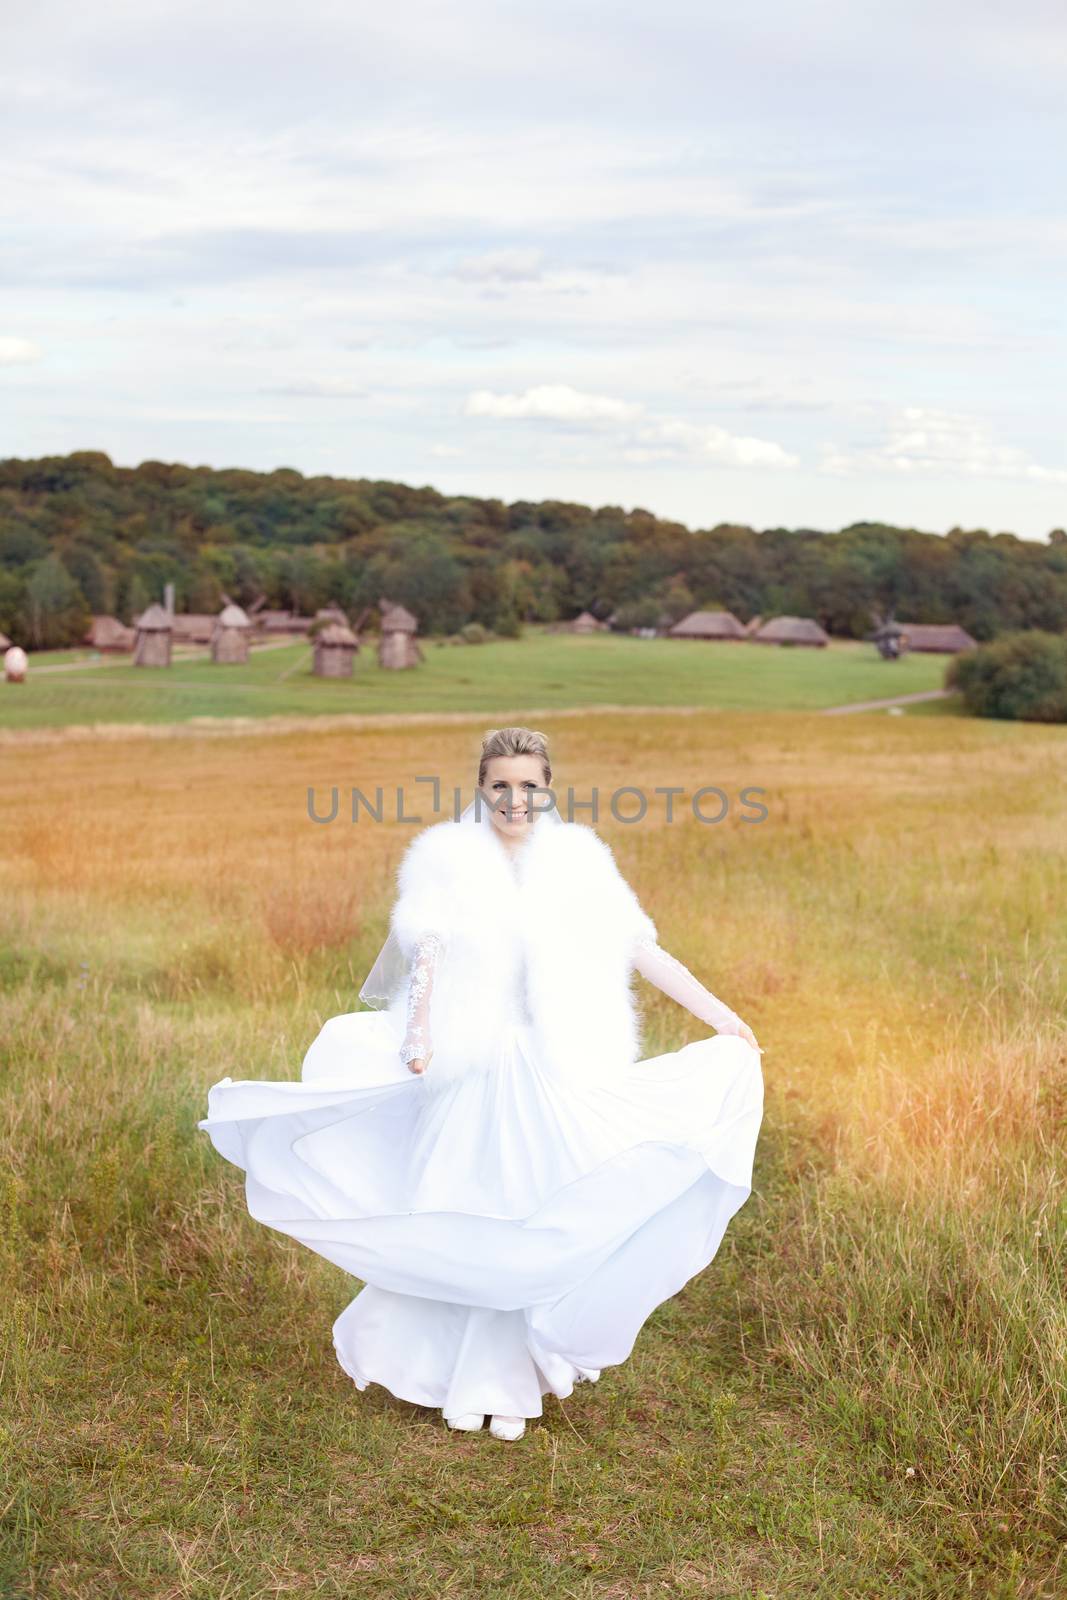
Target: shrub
point(508, 625)
point(1019, 676)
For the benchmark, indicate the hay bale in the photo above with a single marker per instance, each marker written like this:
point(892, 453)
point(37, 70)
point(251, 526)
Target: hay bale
point(15, 664)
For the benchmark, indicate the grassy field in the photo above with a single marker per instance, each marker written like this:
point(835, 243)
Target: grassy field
point(539, 670)
point(862, 1397)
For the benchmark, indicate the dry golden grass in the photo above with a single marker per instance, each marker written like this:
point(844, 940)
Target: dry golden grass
point(887, 1314)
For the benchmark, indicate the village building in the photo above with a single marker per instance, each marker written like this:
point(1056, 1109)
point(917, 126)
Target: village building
point(398, 647)
point(585, 622)
point(331, 613)
point(792, 630)
point(152, 637)
point(279, 624)
point(229, 642)
point(110, 635)
point(334, 650)
point(947, 638)
point(707, 625)
point(192, 627)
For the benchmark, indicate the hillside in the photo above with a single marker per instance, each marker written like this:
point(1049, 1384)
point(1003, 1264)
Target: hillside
point(79, 535)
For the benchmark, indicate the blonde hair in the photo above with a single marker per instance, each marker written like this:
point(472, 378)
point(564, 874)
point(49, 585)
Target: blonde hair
point(515, 742)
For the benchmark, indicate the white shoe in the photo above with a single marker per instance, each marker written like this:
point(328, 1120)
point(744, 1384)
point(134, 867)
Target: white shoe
point(507, 1427)
point(469, 1422)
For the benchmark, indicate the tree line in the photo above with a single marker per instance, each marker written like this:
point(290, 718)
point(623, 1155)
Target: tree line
point(79, 535)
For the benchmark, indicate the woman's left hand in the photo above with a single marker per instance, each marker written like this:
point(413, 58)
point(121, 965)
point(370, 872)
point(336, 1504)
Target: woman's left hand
point(743, 1031)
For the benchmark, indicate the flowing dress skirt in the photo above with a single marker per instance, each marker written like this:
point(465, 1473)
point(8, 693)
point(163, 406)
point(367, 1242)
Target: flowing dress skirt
point(513, 1230)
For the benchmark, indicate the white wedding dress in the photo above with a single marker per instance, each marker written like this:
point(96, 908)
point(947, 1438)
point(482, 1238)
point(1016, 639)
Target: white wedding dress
point(513, 1228)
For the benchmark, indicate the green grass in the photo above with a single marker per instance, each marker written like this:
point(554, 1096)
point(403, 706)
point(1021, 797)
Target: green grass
point(862, 1398)
point(540, 670)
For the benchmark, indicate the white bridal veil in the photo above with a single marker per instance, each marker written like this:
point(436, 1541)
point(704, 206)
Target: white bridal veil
point(390, 969)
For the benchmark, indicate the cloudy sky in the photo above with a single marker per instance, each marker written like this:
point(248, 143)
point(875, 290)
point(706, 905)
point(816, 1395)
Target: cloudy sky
point(788, 263)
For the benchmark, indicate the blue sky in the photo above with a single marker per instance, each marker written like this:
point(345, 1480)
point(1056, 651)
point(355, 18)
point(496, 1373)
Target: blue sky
point(788, 264)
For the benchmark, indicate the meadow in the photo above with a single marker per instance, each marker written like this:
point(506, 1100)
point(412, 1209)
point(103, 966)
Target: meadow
point(541, 669)
point(862, 1396)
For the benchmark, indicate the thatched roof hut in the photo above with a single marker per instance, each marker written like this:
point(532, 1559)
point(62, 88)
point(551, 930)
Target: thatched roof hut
point(153, 635)
point(792, 630)
point(193, 627)
point(707, 625)
point(229, 642)
point(398, 647)
point(331, 613)
point(398, 619)
point(585, 622)
point(946, 637)
point(753, 625)
point(279, 623)
point(335, 648)
point(109, 634)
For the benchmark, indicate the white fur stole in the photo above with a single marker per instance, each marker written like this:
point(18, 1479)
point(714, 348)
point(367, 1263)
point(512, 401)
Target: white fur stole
point(548, 936)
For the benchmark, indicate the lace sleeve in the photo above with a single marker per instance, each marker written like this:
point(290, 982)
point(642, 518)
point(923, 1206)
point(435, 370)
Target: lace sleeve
point(676, 980)
point(417, 1040)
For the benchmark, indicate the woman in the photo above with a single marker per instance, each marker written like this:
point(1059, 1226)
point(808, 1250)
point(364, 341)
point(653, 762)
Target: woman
point(515, 1188)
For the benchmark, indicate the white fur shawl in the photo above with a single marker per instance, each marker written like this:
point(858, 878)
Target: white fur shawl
point(549, 935)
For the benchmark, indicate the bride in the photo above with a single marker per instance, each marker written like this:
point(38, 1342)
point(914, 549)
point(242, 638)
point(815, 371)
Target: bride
point(484, 1149)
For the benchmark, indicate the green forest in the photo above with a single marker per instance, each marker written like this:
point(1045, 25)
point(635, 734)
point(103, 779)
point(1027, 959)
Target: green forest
point(79, 535)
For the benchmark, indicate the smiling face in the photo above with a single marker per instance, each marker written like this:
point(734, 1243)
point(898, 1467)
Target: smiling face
point(506, 786)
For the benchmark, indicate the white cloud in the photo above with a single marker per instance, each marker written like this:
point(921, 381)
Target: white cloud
point(501, 266)
point(718, 213)
point(163, 414)
point(504, 273)
point(318, 389)
point(924, 440)
point(550, 402)
point(688, 441)
point(15, 351)
point(640, 438)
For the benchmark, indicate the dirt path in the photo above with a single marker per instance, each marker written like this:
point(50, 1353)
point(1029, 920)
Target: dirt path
point(232, 727)
point(180, 652)
point(880, 705)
